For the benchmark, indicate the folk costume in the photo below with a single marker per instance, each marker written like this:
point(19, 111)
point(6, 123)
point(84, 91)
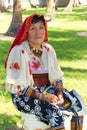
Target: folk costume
point(30, 72)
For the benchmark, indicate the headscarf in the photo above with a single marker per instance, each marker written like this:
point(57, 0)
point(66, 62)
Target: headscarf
point(22, 34)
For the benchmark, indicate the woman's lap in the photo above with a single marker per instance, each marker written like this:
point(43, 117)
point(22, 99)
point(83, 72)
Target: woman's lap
point(44, 111)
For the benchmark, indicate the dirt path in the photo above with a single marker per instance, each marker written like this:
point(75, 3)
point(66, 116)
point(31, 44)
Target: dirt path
point(3, 37)
point(82, 34)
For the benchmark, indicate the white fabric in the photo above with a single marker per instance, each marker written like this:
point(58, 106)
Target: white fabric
point(31, 123)
point(21, 61)
point(85, 122)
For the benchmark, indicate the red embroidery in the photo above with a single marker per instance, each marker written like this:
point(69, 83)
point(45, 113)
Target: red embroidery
point(30, 70)
point(47, 48)
point(15, 66)
point(35, 65)
point(19, 87)
point(22, 51)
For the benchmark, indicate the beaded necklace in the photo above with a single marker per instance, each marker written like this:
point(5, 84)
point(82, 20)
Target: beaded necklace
point(36, 51)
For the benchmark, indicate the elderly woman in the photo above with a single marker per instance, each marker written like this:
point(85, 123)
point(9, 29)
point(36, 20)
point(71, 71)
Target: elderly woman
point(33, 75)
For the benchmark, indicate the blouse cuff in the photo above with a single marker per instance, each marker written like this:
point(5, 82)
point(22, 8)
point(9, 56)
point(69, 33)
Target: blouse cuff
point(59, 87)
point(30, 92)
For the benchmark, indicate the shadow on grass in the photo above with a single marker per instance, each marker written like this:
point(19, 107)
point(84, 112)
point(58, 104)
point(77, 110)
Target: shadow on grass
point(68, 45)
point(9, 122)
point(75, 73)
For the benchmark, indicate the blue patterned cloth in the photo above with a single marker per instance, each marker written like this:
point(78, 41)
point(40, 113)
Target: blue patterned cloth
point(45, 112)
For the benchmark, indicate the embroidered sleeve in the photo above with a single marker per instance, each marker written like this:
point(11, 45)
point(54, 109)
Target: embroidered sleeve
point(31, 92)
point(18, 70)
point(28, 91)
point(14, 88)
point(55, 72)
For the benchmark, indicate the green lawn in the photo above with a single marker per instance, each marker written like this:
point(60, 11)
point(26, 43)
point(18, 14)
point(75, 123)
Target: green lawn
point(71, 52)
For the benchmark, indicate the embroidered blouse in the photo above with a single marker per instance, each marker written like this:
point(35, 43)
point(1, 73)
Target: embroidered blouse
point(22, 64)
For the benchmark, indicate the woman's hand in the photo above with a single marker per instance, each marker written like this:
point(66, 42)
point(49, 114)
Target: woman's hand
point(60, 100)
point(53, 99)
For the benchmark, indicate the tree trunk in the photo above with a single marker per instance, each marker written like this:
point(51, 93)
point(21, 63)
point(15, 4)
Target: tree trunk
point(50, 13)
point(56, 1)
point(2, 7)
point(33, 3)
point(76, 3)
point(69, 6)
point(30, 3)
point(16, 19)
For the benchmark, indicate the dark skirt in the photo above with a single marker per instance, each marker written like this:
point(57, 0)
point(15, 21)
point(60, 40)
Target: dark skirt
point(45, 112)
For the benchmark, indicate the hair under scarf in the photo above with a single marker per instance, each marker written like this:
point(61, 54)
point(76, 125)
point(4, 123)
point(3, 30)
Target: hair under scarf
point(23, 33)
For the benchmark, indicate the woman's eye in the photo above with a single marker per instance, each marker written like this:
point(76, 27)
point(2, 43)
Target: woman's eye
point(41, 27)
point(32, 28)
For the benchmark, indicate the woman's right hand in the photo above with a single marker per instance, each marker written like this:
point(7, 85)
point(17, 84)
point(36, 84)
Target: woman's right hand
point(53, 99)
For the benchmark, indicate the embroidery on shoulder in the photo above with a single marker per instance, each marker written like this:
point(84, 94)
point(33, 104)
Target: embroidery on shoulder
point(15, 66)
point(47, 47)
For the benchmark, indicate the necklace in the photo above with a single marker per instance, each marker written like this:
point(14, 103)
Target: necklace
point(36, 51)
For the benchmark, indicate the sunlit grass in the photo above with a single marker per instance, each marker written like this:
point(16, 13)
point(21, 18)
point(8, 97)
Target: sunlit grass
point(9, 115)
point(4, 47)
point(6, 18)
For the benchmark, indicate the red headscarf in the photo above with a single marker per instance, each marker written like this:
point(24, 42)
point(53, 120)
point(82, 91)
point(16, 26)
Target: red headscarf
point(23, 33)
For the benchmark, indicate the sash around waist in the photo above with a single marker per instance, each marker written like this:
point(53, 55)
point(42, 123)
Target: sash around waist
point(41, 80)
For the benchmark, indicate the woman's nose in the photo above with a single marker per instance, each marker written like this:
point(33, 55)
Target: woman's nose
point(38, 30)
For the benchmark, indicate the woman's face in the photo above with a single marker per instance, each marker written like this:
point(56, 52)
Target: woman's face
point(36, 34)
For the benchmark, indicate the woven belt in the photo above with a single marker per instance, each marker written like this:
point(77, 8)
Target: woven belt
point(41, 80)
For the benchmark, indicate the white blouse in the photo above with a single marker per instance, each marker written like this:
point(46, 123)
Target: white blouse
point(22, 64)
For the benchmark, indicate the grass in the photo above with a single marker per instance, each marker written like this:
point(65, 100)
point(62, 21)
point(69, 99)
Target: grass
point(71, 52)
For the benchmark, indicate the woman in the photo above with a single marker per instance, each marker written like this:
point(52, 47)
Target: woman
point(32, 68)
